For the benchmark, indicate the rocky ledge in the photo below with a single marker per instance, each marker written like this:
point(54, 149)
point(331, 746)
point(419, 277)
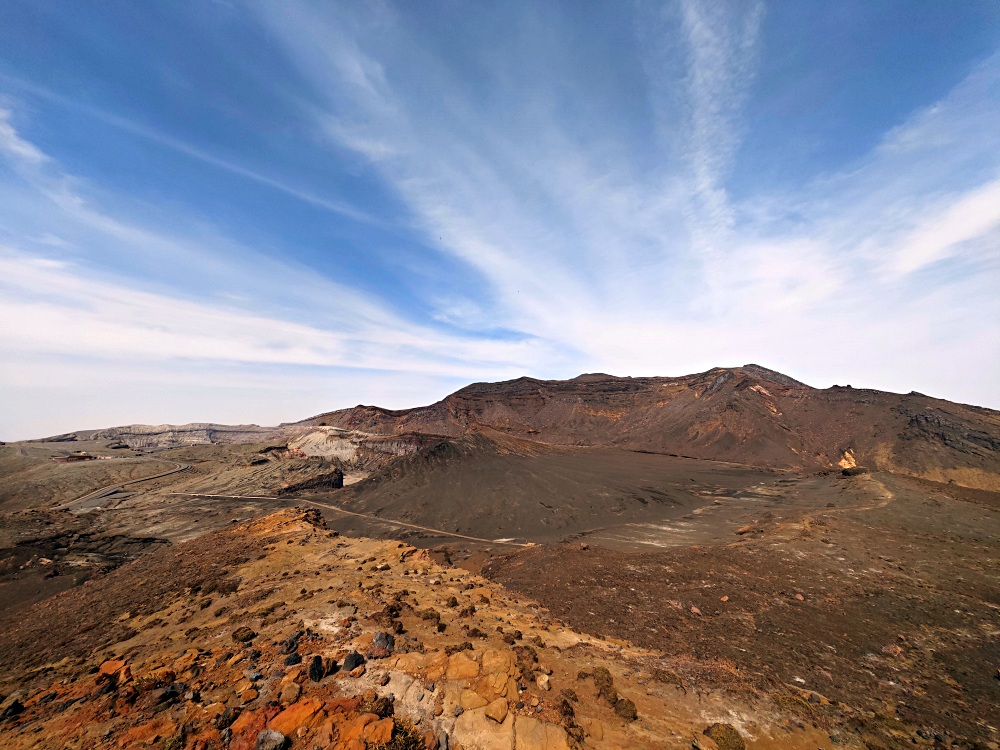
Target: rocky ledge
point(321, 641)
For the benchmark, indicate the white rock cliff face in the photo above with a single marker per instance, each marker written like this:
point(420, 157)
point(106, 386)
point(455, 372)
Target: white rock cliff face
point(168, 436)
point(352, 449)
point(355, 449)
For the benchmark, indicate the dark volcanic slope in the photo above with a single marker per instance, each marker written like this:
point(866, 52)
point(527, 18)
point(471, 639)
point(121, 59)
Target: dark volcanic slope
point(886, 604)
point(492, 486)
point(748, 414)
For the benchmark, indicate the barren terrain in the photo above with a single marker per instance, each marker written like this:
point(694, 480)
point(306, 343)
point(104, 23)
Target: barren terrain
point(763, 590)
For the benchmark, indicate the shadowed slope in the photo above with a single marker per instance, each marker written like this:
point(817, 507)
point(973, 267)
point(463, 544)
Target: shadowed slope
point(747, 415)
point(491, 485)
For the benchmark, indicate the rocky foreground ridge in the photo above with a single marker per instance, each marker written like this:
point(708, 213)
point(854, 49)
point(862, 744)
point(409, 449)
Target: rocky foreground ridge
point(278, 633)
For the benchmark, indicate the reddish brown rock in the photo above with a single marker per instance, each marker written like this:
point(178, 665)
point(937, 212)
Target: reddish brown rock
point(462, 667)
point(290, 693)
point(497, 710)
point(354, 729)
point(307, 712)
point(379, 732)
point(112, 666)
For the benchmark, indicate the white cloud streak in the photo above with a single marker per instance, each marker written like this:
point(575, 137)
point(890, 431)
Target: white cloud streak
point(721, 53)
point(13, 145)
point(63, 315)
point(658, 270)
point(49, 307)
point(967, 217)
point(9, 136)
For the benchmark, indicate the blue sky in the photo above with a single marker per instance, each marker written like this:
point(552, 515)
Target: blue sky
point(257, 211)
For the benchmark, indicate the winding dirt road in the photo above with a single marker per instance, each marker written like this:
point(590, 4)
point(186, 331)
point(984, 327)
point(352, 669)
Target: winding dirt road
point(389, 521)
point(112, 488)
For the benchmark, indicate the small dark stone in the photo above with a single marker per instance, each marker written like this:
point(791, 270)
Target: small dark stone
point(292, 659)
point(291, 645)
point(243, 635)
point(384, 640)
point(16, 708)
point(353, 660)
point(227, 717)
point(270, 739)
point(330, 665)
point(382, 646)
point(316, 671)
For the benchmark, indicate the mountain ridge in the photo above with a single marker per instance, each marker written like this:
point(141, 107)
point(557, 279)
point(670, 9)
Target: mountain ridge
point(749, 415)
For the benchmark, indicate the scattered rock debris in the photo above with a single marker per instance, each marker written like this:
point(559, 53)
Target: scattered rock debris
point(330, 671)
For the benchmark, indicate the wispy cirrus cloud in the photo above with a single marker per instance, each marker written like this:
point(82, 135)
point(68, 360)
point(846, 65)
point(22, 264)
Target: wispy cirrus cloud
point(969, 216)
point(52, 307)
point(721, 54)
point(177, 145)
point(14, 145)
point(565, 197)
point(64, 315)
point(656, 268)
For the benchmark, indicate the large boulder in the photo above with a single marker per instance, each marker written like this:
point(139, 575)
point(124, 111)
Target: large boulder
point(269, 739)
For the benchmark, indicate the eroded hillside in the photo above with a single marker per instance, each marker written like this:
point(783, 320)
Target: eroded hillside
point(747, 415)
point(281, 631)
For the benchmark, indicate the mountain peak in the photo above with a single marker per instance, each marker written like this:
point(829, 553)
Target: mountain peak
point(772, 376)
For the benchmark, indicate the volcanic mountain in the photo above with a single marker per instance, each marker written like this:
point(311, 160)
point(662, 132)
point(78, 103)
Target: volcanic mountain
point(748, 415)
point(732, 553)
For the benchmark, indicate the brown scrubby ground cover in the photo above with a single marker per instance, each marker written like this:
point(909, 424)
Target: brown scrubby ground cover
point(89, 617)
point(883, 615)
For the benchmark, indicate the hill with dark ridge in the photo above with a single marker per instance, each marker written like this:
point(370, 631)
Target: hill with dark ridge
point(748, 415)
point(699, 527)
